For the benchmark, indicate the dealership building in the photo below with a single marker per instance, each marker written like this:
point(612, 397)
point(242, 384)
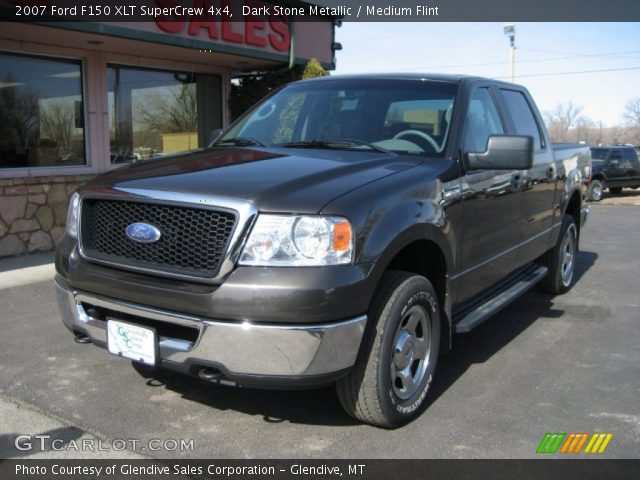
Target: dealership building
point(81, 98)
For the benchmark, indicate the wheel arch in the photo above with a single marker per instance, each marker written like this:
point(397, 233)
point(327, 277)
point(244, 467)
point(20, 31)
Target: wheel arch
point(424, 250)
point(574, 204)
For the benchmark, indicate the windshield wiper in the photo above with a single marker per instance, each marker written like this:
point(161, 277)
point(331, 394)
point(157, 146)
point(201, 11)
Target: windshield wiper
point(240, 142)
point(337, 143)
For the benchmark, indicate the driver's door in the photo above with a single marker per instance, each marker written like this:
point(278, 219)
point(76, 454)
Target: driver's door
point(490, 206)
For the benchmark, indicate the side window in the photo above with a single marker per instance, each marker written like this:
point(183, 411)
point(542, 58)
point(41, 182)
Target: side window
point(523, 118)
point(482, 120)
point(629, 155)
point(615, 155)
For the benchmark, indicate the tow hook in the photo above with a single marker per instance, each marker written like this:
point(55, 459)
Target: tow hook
point(81, 338)
point(210, 375)
point(214, 376)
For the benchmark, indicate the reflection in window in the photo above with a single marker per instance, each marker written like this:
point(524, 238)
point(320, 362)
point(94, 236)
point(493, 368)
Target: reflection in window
point(154, 113)
point(41, 112)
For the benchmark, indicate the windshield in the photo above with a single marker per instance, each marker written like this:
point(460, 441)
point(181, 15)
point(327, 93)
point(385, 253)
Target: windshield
point(599, 153)
point(404, 116)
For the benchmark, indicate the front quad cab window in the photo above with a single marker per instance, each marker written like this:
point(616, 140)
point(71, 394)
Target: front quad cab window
point(348, 114)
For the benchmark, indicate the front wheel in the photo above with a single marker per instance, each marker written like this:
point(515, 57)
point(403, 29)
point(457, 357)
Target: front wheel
point(388, 385)
point(561, 259)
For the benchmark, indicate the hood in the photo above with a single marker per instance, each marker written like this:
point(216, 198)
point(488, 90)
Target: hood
point(296, 180)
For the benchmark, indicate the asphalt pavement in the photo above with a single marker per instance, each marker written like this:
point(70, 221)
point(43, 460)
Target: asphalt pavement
point(569, 363)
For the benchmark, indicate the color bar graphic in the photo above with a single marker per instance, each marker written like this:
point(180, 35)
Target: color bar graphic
point(552, 442)
point(598, 443)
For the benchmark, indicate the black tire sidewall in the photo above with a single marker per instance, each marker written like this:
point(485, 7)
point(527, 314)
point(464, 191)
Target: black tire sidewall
point(415, 291)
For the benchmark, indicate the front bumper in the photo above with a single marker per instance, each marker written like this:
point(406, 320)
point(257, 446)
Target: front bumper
point(243, 353)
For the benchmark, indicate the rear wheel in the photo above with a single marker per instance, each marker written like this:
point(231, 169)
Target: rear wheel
point(615, 190)
point(390, 380)
point(595, 191)
point(561, 259)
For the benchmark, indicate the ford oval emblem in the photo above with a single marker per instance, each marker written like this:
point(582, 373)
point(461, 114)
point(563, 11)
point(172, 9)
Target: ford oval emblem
point(143, 233)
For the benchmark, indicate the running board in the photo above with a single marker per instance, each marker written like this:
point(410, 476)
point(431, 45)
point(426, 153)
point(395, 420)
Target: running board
point(522, 283)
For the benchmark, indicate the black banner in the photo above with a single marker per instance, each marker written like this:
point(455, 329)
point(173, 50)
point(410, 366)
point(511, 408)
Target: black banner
point(297, 469)
point(299, 11)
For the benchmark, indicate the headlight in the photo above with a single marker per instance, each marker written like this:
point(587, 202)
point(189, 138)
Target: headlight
point(290, 240)
point(72, 216)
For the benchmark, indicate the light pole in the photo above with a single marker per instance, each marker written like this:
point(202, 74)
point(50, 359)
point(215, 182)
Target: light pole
point(510, 31)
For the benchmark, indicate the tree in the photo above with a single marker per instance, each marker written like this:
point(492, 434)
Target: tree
point(248, 89)
point(18, 116)
point(313, 69)
point(57, 120)
point(632, 116)
point(169, 110)
point(561, 119)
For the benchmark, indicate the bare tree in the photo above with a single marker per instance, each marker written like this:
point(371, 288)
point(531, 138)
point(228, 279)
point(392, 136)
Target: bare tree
point(561, 119)
point(632, 116)
point(57, 121)
point(169, 110)
point(18, 115)
point(586, 131)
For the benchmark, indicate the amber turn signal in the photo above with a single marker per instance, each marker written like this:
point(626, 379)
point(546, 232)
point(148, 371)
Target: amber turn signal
point(342, 236)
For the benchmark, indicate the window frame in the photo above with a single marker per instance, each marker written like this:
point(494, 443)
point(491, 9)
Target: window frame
point(111, 63)
point(496, 104)
point(544, 144)
point(60, 170)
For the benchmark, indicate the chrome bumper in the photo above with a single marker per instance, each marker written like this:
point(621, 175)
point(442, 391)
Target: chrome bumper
point(236, 349)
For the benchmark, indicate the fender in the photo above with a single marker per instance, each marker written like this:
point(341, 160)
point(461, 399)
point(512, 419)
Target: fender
point(416, 221)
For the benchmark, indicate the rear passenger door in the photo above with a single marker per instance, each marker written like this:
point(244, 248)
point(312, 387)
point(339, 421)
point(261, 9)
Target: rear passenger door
point(631, 166)
point(616, 171)
point(538, 183)
point(490, 205)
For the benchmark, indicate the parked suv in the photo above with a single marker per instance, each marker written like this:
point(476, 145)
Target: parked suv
point(341, 231)
point(613, 167)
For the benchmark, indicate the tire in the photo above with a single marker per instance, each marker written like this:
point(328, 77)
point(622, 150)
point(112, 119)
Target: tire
point(595, 191)
point(561, 259)
point(388, 384)
point(615, 190)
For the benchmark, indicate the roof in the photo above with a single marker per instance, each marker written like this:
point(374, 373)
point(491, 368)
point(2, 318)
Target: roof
point(438, 77)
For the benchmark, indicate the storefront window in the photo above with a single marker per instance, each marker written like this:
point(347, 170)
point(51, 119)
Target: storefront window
point(41, 112)
point(154, 113)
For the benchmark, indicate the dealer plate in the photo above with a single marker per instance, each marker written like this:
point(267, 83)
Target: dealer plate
point(132, 341)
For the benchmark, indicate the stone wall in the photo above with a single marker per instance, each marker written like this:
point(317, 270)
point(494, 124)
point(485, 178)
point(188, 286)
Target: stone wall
point(33, 212)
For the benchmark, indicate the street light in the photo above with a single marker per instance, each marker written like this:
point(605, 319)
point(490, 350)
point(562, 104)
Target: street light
point(510, 31)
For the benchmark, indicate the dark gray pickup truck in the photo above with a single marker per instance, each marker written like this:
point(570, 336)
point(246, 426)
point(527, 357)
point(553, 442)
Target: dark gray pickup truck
point(341, 231)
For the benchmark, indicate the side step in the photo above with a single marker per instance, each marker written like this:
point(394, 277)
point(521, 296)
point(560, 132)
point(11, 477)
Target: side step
point(497, 302)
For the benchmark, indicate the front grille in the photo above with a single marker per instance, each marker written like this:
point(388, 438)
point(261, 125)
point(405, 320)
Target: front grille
point(193, 241)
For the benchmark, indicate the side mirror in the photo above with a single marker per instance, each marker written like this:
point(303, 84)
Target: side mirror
point(504, 152)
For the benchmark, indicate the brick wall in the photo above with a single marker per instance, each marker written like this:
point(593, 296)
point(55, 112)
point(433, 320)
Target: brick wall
point(33, 212)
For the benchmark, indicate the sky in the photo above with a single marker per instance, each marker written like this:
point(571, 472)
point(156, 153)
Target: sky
point(547, 55)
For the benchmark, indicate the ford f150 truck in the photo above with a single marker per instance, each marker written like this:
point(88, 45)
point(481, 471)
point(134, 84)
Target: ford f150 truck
point(343, 230)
